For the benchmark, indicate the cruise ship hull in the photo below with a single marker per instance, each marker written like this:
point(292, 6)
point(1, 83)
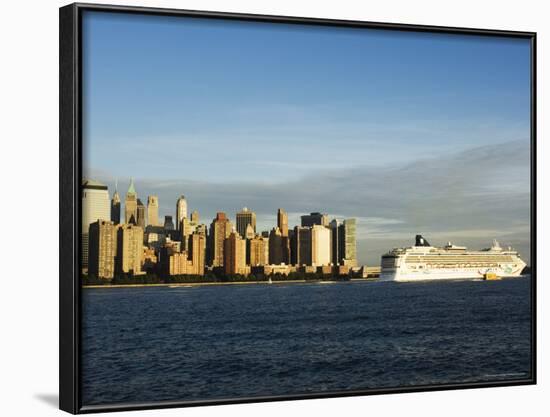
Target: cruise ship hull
point(439, 274)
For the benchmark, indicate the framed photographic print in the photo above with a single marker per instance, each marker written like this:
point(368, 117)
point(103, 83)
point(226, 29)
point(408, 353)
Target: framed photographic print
point(258, 208)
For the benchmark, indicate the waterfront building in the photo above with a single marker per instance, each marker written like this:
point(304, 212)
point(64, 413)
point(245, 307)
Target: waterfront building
point(181, 211)
point(275, 247)
point(301, 249)
point(244, 218)
point(152, 210)
point(115, 206)
point(347, 243)
point(95, 206)
point(102, 249)
point(197, 252)
point(175, 262)
point(140, 214)
point(282, 222)
point(315, 218)
point(219, 231)
point(235, 255)
point(168, 223)
point(320, 245)
point(130, 205)
point(334, 226)
point(129, 249)
point(187, 228)
point(256, 253)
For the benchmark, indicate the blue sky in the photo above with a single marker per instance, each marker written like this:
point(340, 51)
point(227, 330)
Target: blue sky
point(185, 105)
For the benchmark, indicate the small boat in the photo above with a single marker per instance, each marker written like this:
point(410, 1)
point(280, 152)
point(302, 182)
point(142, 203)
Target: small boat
point(491, 276)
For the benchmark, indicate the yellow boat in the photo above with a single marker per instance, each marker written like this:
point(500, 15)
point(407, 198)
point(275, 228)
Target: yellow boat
point(491, 276)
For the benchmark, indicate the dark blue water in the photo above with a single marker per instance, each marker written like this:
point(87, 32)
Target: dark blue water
point(158, 344)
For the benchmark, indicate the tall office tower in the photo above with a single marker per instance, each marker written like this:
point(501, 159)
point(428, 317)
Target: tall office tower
point(187, 228)
point(244, 218)
point(282, 221)
point(275, 247)
point(334, 226)
point(129, 249)
point(130, 205)
point(301, 249)
point(95, 206)
point(256, 251)
point(195, 217)
point(234, 254)
point(348, 242)
point(168, 223)
point(140, 214)
point(197, 252)
point(102, 249)
point(320, 245)
point(285, 250)
point(181, 210)
point(153, 210)
point(219, 231)
point(292, 234)
point(312, 219)
point(115, 206)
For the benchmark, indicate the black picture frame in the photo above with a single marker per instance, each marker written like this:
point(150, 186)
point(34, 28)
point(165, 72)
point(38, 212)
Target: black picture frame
point(70, 127)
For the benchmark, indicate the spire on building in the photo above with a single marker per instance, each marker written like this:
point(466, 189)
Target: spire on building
point(131, 189)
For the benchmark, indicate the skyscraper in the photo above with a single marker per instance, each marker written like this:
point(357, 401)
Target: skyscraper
point(130, 205)
point(275, 247)
point(235, 254)
point(312, 219)
point(187, 228)
point(334, 226)
point(256, 251)
point(320, 245)
point(140, 214)
point(219, 231)
point(129, 249)
point(181, 210)
point(347, 245)
point(195, 216)
point(197, 252)
point(244, 218)
point(152, 210)
point(115, 206)
point(102, 249)
point(95, 206)
point(302, 245)
point(282, 222)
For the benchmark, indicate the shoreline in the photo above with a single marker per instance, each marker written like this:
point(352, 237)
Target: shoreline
point(201, 284)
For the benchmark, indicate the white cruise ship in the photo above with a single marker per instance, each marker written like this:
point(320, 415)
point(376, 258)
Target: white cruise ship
point(425, 262)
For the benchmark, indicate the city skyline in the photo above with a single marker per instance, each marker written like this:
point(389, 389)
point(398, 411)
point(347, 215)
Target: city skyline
point(409, 133)
point(114, 249)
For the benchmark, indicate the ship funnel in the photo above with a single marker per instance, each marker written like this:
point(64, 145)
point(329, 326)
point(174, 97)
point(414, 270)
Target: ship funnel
point(420, 241)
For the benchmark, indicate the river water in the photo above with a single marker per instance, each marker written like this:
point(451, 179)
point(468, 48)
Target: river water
point(215, 342)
